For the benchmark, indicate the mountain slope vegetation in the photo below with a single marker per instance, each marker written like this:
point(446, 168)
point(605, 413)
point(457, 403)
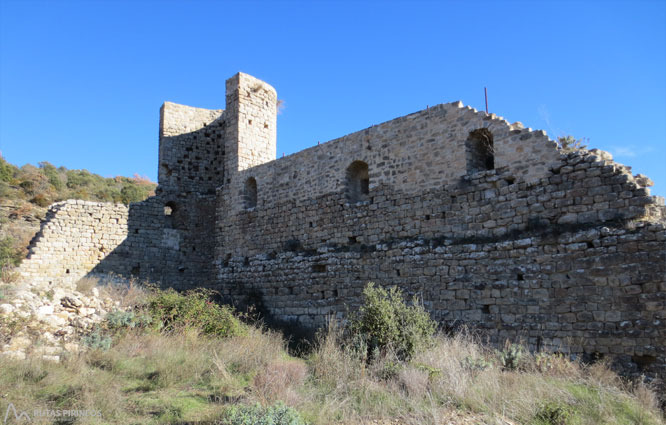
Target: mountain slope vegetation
point(27, 191)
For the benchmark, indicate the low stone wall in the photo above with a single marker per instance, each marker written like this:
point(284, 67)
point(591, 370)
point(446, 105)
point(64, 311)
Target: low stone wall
point(74, 237)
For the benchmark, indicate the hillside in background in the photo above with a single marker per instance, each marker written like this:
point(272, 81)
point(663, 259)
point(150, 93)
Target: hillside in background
point(27, 191)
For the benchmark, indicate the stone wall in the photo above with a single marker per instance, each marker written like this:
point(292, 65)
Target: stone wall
point(174, 249)
point(572, 262)
point(413, 153)
point(80, 238)
point(74, 238)
point(191, 155)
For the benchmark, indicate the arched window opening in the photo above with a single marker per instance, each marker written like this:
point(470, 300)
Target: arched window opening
point(250, 193)
point(173, 216)
point(357, 182)
point(480, 151)
point(169, 209)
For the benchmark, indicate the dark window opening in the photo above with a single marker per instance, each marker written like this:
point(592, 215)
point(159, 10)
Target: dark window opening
point(319, 268)
point(67, 271)
point(352, 240)
point(169, 209)
point(173, 215)
point(520, 276)
point(167, 170)
point(485, 309)
point(357, 182)
point(250, 193)
point(644, 361)
point(480, 151)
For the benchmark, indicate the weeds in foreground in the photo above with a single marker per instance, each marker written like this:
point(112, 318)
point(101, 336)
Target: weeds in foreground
point(179, 373)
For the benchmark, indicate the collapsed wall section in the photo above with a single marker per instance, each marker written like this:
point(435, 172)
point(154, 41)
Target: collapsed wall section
point(160, 241)
point(573, 262)
point(73, 239)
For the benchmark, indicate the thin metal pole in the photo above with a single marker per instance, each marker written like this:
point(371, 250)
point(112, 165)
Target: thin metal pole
point(485, 91)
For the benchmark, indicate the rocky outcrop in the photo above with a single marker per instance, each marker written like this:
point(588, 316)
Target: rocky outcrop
point(47, 321)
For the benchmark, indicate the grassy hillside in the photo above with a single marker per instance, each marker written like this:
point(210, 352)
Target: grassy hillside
point(26, 192)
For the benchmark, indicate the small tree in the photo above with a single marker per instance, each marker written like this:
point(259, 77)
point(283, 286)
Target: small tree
point(386, 321)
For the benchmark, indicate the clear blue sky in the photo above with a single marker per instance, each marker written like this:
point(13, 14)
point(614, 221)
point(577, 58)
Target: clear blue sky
point(82, 82)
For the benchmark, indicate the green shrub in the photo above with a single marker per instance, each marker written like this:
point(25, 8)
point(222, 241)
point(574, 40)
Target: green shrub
point(7, 171)
point(389, 370)
point(132, 194)
point(10, 255)
point(171, 310)
point(41, 200)
point(386, 321)
point(511, 356)
point(118, 319)
point(278, 414)
point(51, 173)
point(97, 341)
point(554, 414)
point(476, 364)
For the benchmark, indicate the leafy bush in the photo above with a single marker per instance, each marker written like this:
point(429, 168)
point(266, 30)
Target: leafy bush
point(41, 200)
point(10, 255)
point(97, 341)
point(171, 310)
point(386, 321)
point(7, 171)
point(118, 319)
point(554, 414)
point(511, 356)
point(278, 414)
point(476, 364)
point(131, 193)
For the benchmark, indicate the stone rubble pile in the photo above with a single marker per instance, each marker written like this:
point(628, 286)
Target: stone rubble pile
point(47, 322)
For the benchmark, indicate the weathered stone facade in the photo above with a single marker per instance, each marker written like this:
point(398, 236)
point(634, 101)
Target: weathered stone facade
point(488, 222)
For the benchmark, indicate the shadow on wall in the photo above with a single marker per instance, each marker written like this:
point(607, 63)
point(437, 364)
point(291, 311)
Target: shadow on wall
point(170, 237)
point(169, 242)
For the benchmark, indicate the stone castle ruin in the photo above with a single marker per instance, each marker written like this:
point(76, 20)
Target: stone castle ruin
point(489, 223)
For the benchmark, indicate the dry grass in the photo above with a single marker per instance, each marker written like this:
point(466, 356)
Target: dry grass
point(151, 378)
point(460, 373)
point(279, 381)
point(129, 292)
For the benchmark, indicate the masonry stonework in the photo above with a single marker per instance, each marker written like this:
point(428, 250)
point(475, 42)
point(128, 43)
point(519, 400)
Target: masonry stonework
point(489, 223)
